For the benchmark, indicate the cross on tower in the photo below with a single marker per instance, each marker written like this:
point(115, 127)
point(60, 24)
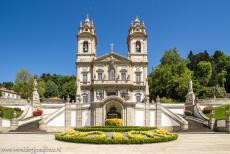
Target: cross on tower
point(111, 46)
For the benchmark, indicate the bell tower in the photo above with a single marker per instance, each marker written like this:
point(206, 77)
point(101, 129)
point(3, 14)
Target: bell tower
point(137, 41)
point(86, 41)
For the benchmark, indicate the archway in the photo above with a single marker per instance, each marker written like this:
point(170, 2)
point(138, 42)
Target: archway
point(113, 108)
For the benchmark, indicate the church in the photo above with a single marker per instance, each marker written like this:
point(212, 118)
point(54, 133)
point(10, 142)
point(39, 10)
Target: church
point(108, 86)
point(112, 85)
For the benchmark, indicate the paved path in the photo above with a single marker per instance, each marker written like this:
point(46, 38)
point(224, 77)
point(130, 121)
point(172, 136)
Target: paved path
point(186, 144)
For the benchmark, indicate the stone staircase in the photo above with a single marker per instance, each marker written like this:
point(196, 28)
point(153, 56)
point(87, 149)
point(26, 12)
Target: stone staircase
point(32, 127)
point(197, 125)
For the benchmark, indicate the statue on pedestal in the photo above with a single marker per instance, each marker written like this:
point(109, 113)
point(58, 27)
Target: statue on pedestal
point(35, 95)
point(190, 97)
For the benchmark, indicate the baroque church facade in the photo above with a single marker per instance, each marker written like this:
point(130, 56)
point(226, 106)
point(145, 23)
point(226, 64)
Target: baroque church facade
point(113, 86)
point(108, 86)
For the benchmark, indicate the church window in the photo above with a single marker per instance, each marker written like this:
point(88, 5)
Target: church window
point(123, 76)
point(85, 46)
point(111, 74)
point(138, 46)
point(138, 76)
point(138, 98)
point(84, 77)
point(124, 94)
point(85, 98)
point(112, 93)
point(99, 76)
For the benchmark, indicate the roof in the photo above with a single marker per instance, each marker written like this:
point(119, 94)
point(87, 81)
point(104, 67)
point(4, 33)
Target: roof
point(54, 99)
point(7, 91)
point(113, 55)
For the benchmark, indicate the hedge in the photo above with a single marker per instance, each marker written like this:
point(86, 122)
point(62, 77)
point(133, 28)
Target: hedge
point(114, 128)
point(113, 122)
point(133, 137)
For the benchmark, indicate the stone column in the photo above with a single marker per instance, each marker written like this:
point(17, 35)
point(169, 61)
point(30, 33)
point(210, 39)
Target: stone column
point(14, 121)
point(99, 116)
point(211, 121)
point(227, 121)
point(130, 112)
point(79, 115)
point(147, 113)
point(68, 115)
point(158, 112)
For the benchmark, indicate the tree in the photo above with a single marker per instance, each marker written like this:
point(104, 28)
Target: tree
point(171, 56)
point(23, 83)
point(170, 78)
point(41, 87)
point(203, 72)
point(7, 85)
point(51, 89)
point(69, 88)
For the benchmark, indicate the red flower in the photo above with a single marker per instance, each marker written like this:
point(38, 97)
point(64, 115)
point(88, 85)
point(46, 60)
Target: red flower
point(38, 112)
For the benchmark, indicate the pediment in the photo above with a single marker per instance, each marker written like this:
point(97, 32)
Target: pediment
point(112, 57)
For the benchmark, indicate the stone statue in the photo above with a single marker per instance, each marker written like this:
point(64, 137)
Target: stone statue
point(158, 99)
point(190, 85)
point(35, 94)
point(190, 97)
point(35, 84)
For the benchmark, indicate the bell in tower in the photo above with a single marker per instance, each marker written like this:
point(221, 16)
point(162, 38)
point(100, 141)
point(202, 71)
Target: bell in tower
point(86, 39)
point(137, 39)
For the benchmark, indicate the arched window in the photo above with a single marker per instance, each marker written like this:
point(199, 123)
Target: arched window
point(111, 73)
point(138, 46)
point(85, 98)
point(138, 98)
point(85, 46)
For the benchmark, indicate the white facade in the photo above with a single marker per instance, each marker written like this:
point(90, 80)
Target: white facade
point(9, 94)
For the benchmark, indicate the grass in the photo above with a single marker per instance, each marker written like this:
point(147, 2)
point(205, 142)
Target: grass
point(7, 112)
point(220, 111)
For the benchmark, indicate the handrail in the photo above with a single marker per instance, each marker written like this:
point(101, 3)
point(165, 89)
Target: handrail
point(176, 117)
point(54, 114)
point(198, 112)
point(29, 120)
point(25, 112)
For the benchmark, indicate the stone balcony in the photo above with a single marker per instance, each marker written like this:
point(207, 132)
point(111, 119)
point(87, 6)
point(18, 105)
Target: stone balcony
point(112, 82)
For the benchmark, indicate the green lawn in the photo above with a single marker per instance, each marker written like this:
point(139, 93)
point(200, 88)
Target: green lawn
point(7, 112)
point(220, 111)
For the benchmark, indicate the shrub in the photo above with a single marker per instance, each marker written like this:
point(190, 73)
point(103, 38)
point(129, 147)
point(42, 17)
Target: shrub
point(114, 128)
point(117, 136)
point(7, 112)
point(207, 110)
point(188, 113)
point(17, 109)
point(167, 100)
point(113, 122)
point(38, 112)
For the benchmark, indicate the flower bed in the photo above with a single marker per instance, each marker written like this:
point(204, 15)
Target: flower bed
point(114, 128)
point(130, 137)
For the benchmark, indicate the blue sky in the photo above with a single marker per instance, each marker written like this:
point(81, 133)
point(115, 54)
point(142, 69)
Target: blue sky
point(40, 35)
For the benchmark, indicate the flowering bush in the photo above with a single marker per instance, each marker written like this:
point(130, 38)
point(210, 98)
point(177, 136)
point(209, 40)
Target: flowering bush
point(130, 137)
point(117, 136)
point(113, 122)
point(38, 112)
